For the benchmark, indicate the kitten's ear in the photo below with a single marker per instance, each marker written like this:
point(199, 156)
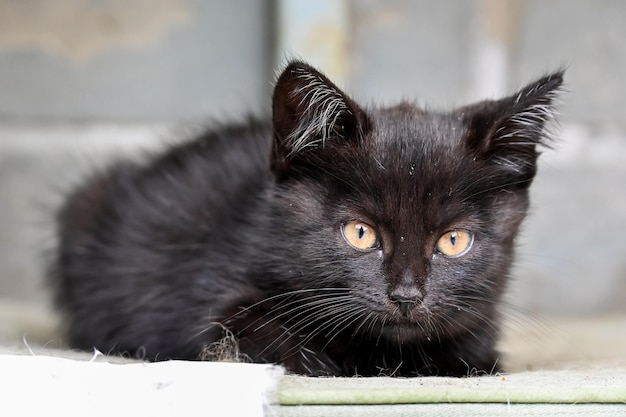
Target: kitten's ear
point(508, 131)
point(310, 114)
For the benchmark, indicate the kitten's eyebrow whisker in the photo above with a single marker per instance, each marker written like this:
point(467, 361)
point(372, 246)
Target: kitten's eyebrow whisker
point(494, 188)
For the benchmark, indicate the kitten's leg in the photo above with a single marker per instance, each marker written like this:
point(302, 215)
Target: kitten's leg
point(267, 340)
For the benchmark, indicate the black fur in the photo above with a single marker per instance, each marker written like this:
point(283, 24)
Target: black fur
point(240, 229)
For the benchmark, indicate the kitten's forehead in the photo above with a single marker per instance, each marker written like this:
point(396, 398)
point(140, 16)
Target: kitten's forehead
point(406, 131)
point(417, 164)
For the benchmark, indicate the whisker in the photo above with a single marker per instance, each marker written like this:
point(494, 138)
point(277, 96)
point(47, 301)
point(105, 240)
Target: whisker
point(350, 319)
point(332, 308)
point(345, 315)
point(445, 317)
point(363, 322)
point(329, 310)
point(303, 306)
point(289, 294)
point(288, 298)
point(382, 328)
point(490, 189)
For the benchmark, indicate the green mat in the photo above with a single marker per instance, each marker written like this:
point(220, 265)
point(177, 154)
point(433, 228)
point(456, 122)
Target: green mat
point(453, 410)
point(567, 393)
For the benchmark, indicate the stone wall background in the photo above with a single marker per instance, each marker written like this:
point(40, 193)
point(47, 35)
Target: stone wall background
point(82, 81)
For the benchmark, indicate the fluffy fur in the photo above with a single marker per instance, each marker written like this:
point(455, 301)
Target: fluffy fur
point(239, 233)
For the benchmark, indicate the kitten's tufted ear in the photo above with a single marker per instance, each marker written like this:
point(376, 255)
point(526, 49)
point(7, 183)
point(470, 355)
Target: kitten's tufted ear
point(310, 116)
point(508, 131)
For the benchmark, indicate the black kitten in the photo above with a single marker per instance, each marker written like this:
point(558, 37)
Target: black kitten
point(337, 240)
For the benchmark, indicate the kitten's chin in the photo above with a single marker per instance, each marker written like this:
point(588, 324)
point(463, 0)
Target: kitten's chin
point(407, 328)
point(405, 334)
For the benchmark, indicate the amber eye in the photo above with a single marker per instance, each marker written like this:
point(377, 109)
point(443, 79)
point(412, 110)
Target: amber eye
point(455, 243)
point(359, 235)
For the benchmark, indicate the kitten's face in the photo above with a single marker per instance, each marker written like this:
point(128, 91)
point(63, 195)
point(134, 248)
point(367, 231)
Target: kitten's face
point(404, 219)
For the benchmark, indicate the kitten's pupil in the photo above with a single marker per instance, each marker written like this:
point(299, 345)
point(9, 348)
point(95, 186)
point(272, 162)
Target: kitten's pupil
point(361, 231)
point(453, 237)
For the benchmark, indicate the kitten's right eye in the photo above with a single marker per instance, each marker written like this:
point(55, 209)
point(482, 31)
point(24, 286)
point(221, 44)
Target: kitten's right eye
point(359, 235)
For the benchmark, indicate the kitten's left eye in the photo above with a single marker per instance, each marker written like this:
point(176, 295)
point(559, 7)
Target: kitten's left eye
point(455, 243)
point(360, 235)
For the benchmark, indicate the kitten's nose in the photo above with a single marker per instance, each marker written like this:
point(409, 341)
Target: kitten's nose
point(405, 303)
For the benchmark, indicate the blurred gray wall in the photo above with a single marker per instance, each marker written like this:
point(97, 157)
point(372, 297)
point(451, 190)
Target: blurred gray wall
point(84, 80)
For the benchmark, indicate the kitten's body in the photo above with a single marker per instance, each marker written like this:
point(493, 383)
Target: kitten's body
point(158, 260)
